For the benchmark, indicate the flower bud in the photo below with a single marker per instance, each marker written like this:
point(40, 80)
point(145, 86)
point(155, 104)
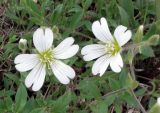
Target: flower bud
point(22, 45)
point(156, 107)
point(141, 27)
point(55, 29)
point(153, 40)
point(139, 34)
point(35, 1)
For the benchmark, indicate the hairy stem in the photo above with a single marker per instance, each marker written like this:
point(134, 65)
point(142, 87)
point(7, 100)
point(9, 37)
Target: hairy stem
point(114, 92)
point(138, 102)
point(83, 35)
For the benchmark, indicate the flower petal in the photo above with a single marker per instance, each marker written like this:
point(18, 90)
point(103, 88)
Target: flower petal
point(70, 52)
point(38, 39)
point(48, 38)
point(104, 25)
point(69, 72)
point(92, 56)
point(101, 30)
point(116, 63)
point(97, 65)
point(122, 35)
point(43, 39)
point(62, 72)
point(64, 45)
point(104, 67)
point(36, 77)
point(40, 79)
point(25, 62)
point(92, 48)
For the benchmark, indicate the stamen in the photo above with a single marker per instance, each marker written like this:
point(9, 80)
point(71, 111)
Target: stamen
point(46, 57)
point(112, 48)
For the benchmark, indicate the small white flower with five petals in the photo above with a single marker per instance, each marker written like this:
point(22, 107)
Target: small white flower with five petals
point(108, 52)
point(47, 57)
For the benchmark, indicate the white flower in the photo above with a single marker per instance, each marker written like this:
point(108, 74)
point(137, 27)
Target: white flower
point(47, 58)
point(108, 51)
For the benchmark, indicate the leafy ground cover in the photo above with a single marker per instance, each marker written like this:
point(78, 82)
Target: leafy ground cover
point(134, 90)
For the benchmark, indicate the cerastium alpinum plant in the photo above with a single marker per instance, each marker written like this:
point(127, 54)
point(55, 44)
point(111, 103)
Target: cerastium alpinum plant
point(110, 66)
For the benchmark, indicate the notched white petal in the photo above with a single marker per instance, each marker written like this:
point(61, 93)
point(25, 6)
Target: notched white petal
point(38, 39)
point(59, 74)
point(97, 65)
point(25, 62)
point(104, 67)
point(36, 77)
point(122, 35)
point(70, 52)
point(43, 39)
point(105, 27)
point(69, 72)
point(38, 83)
point(93, 55)
point(48, 38)
point(116, 63)
point(101, 31)
point(92, 48)
point(64, 45)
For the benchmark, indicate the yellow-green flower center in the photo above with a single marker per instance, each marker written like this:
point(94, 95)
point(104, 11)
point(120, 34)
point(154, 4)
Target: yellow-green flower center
point(46, 57)
point(112, 47)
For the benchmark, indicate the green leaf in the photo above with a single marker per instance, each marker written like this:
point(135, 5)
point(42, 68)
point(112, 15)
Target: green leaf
point(33, 8)
point(157, 9)
point(88, 89)
point(146, 50)
point(86, 3)
point(152, 102)
point(129, 7)
point(2, 106)
point(76, 19)
point(30, 106)
point(109, 100)
point(62, 103)
point(129, 99)
point(38, 110)
point(9, 103)
point(158, 24)
point(99, 107)
point(131, 83)
point(88, 25)
point(118, 108)
point(123, 78)
point(13, 77)
point(124, 16)
point(152, 30)
point(21, 98)
point(57, 13)
point(80, 111)
point(4, 93)
point(114, 84)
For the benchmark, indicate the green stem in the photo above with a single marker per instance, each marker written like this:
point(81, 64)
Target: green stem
point(114, 92)
point(132, 71)
point(83, 35)
point(138, 102)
